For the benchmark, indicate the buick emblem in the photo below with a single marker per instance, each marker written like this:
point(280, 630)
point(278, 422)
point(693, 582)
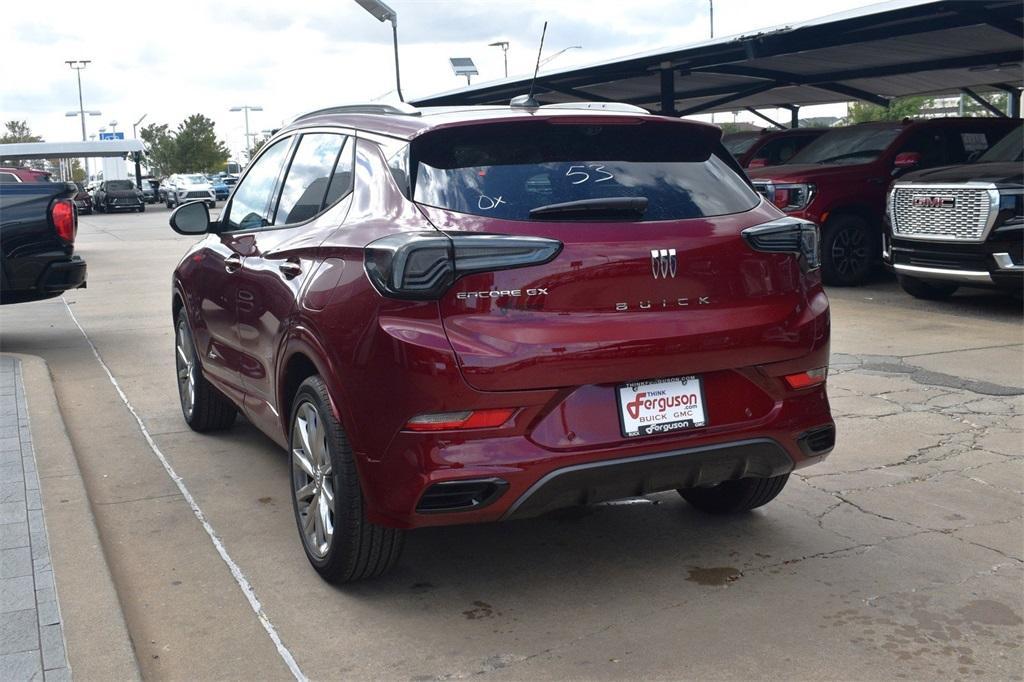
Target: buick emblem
point(663, 263)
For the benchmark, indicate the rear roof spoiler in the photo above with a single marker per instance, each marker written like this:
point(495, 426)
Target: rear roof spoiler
point(400, 109)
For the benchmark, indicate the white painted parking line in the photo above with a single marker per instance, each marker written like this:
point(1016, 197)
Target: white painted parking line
point(236, 571)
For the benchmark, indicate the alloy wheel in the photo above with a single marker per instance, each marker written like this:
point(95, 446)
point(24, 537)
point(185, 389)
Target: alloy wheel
point(312, 480)
point(850, 251)
point(185, 362)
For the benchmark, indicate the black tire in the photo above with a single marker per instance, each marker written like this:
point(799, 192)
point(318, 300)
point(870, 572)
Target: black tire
point(929, 290)
point(849, 250)
point(142, 209)
point(357, 548)
point(210, 410)
point(732, 497)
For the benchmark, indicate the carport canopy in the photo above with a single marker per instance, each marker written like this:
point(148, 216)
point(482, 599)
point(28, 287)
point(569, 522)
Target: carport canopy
point(69, 150)
point(887, 50)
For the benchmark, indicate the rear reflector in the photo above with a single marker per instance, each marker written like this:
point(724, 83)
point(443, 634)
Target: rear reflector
point(811, 377)
point(467, 419)
point(64, 221)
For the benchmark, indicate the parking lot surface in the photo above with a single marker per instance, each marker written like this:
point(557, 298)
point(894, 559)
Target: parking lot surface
point(901, 556)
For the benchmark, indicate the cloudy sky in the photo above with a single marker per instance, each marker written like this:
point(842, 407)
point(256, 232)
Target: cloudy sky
point(171, 59)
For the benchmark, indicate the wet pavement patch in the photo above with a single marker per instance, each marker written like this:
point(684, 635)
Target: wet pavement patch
point(716, 576)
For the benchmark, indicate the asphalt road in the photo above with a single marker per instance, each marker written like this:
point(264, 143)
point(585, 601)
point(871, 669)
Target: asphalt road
point(902, 556)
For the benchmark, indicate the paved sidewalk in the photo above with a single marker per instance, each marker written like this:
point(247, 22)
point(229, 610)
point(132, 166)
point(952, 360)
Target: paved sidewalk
point(31, 635)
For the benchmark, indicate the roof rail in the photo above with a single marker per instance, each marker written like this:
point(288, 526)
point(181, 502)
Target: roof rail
point(621, 107)
point(401, 109)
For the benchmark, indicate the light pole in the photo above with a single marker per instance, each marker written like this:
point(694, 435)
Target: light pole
point(503, 44)
point(711, 16)
point(113, 126)
point(247, 108)
point(136, 125)
point(563, 50)
point(382, 13)
point(78, 65)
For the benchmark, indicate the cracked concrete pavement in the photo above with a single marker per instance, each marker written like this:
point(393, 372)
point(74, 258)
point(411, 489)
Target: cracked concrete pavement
point(901, 556)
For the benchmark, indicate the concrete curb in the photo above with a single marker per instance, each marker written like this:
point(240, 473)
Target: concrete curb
point(98, 644)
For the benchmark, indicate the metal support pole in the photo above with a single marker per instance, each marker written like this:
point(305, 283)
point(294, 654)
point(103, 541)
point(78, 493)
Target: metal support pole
point(138, 169)
point(81, 115)
point(1014, 101)
point(983, 102)
point(668, 91)
point(248, 144)
point(398, 77)
point(794, 117)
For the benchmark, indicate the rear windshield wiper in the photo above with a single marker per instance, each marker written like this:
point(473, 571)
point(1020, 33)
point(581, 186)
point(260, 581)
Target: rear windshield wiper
point(609, 208)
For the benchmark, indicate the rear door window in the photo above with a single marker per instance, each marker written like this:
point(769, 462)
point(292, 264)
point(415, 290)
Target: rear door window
point(507, 170)
point(302, 196)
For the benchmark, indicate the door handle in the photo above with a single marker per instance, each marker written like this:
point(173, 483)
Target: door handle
point(232, 263)
point(290, 269)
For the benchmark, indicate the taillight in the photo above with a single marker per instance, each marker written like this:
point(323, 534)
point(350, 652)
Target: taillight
point(64, 219)
point(422, 265)
point(812, 377)
point(787, 235)
point(467, 419)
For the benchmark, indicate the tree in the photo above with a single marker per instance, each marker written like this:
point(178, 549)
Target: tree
point(161, 151)
point(192, 148)
point(898, 109)
point(17, 131)
point(257, 145)
point(198, 149)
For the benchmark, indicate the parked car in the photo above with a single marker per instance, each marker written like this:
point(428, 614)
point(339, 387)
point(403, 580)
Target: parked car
point(220, 188)
point(83, 199)
point(737, 144)
point(148, 186)
point(960, 225)
point(774, 148)
point(840, 181)
point(38, 225)
point(118, 195)
point(513, 310)
point(178, 189)
point(230, 180)
point(18, 174)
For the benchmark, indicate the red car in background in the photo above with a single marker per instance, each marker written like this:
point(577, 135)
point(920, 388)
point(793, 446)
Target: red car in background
point(19, 174)
point(757, 149)
point(464, 315)
point(840, 181)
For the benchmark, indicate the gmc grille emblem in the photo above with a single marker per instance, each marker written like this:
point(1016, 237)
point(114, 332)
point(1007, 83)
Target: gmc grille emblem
point(923, 201)
point(663, 263)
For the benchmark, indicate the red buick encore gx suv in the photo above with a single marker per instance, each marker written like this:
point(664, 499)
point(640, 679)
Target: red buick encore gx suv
point(464, 315)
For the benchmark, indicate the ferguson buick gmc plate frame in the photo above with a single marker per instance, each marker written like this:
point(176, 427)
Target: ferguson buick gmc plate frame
point(658, 406)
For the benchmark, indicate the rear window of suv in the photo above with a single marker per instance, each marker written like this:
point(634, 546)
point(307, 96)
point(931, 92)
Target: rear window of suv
point(506, 170)
point(847, 146)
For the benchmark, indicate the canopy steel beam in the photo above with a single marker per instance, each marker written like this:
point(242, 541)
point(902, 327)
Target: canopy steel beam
point(757, 113)
point(856, 93)
point(757, 89)
point(992, 109)
point(668, 92)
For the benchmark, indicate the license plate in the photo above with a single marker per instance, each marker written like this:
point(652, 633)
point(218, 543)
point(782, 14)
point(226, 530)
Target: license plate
point(648, 408)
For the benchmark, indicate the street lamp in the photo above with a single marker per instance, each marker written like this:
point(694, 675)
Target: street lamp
point(78, 65)
point(136, 125)
point(247, 108)
point(503, 44)
point(113, 126)
point(563, 50)
point(382, 12)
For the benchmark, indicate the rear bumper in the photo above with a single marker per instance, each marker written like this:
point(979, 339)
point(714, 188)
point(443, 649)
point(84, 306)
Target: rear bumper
point(506, 477)
point(54, 278)
point(631, 476)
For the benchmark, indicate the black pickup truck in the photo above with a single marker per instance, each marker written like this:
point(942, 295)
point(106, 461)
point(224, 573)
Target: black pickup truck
point(38, 224)
point(960, 225)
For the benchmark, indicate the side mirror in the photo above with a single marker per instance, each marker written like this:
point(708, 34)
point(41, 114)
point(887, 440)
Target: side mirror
point(906, 160)
point(191, 218)
point(758, 163)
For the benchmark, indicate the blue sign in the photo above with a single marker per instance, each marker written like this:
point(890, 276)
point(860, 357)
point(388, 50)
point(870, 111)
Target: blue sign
point(111, 136)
